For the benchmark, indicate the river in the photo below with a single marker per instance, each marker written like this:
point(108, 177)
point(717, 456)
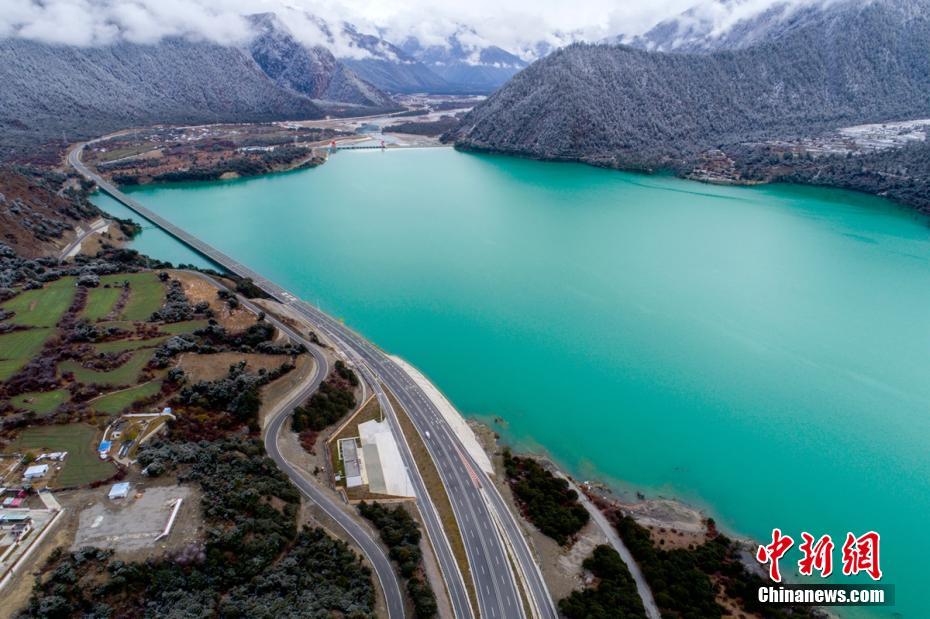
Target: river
point(762, 352)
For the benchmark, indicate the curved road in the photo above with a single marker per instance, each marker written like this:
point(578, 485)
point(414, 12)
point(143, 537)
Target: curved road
point(98, 225)
point(277, 418)
point(373, 552)
point(490, 533)
point(498, 554)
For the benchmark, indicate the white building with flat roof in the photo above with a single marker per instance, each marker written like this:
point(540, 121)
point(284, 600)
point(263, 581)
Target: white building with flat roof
point(384, 467)
point(36, 471)
point(348, 452)
point(119, 491)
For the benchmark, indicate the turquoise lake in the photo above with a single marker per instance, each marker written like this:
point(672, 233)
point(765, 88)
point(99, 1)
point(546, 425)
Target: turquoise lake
point(763, 353)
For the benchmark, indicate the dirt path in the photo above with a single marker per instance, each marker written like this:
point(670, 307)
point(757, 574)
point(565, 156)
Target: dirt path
point(642, 587)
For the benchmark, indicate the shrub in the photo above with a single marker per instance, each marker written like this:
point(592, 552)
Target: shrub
point(401, 534)
point(615, 594)
point(545, 499)
point(253, 561)
point(330, 403)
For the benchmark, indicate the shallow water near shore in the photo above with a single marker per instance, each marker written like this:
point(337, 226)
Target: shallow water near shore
point(761, 352)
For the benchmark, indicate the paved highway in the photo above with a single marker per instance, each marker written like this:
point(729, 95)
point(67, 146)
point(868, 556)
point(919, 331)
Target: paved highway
point(98, 225)
point(277, 418)
point(488, 528)
point(498, 555)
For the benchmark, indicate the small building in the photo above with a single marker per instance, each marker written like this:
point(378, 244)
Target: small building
point(119, 491)
point(348, 451)
point(11, 518)
point(104, 449)
point(36, 471)
point(383, 466)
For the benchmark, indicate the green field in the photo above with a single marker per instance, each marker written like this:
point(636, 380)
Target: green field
point(82, 466)
point(146, 295)
point(100, 302)
point(42, 307)
point(125, 374)
point(18, 347)
point(121, 345)
point(188, 326)
point(41, 401)
point(113, 403)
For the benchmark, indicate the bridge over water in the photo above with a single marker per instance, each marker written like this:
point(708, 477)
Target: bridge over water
point(495, 591)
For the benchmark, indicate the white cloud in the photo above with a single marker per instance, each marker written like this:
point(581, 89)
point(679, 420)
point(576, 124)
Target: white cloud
point(68, 22)
point(723, 15)
point(99, 22)
point(515, 25)
point(314, 29)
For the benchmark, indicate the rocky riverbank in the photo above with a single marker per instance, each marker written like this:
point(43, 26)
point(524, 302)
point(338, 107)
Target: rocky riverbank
point(671, 543)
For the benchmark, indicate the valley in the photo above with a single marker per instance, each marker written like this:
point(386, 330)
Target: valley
point(452, 310)
point(229, 151)
point(634, 355)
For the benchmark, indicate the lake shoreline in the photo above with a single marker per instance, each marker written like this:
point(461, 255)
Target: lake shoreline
point(605, 316)
point(692, 173)
point(672, 512)
point(660, 512)
point(678, 169)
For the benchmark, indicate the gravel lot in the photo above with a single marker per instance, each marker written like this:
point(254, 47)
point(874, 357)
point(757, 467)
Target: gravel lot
point(132, 523)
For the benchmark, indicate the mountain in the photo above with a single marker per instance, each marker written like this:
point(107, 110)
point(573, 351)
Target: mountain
point(51, 90)
point(454, 67)
point(390, 68)
point(469, 68)
point(311, 71)
point(625, 107)
point(55, 91)
point(732, 24)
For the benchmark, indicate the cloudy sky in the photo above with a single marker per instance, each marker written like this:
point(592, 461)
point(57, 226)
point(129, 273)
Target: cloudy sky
point(513, 24)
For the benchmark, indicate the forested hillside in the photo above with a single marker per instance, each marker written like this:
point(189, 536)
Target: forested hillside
point(54, 94)
point(390, 67)
point(699, 29)
point(902, 174)
point(53, 91)
point(620, 106)
point(311, 71)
